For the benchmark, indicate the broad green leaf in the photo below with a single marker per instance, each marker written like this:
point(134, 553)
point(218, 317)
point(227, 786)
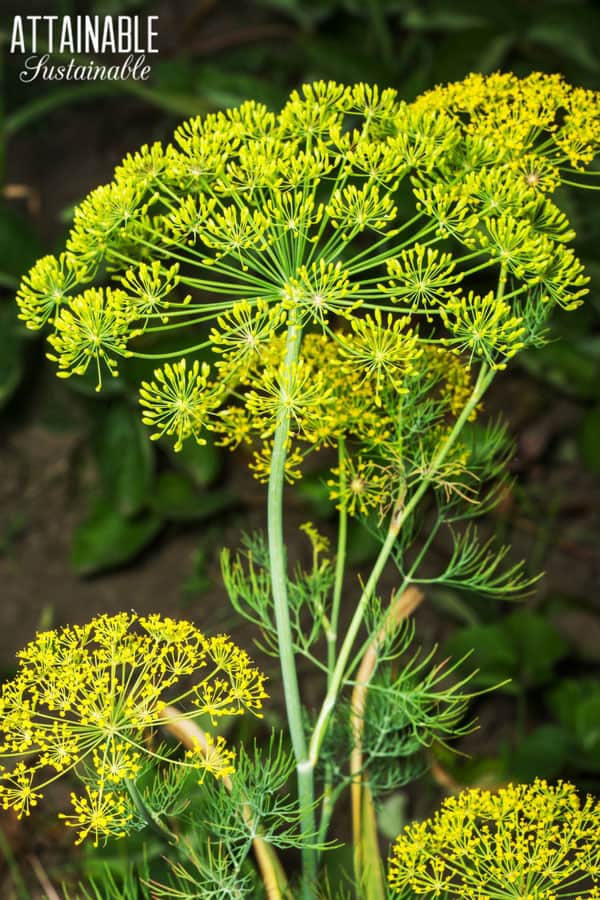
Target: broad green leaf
point(589, 439)
point(446, 19)
point(314, 492)
point(392, 815)
point(576, 704)
point(523, 647)
point(362, 546)
point(566, 366)
point(567, 38)
point(176, 497)
point(19, 247)
point(124, 457)
point(11, 356)
point(538, 645)
point(543, 753)
point(492, 654)
point(106, 539)
point(201, 462)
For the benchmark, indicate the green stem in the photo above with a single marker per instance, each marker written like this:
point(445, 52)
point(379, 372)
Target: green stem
point(329, 801)
point(340, 564)
point(329, 795)
point(151, 819)
point(289, 675)
point(399, 517)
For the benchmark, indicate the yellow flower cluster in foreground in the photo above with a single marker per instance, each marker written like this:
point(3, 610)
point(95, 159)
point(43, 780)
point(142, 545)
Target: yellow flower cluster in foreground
point(524, 842)
point(88, 698)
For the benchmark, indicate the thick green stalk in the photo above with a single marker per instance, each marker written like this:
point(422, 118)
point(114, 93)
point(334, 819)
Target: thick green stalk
point(289, 675)
point(399, 517)
point(151, 819)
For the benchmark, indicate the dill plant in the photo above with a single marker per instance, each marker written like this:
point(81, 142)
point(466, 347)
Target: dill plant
point(350, 273)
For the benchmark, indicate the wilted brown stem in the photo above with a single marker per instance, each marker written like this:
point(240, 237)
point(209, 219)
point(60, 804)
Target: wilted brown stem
point(363, 813)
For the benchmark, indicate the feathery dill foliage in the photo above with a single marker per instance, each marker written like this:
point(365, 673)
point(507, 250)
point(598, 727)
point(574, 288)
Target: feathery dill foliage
point(88, 699)
point(525, 842)
point(253, 220)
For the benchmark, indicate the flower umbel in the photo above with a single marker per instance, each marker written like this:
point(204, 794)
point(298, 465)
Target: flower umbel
point(209, 246)
point(525, 841)
point(86, 698)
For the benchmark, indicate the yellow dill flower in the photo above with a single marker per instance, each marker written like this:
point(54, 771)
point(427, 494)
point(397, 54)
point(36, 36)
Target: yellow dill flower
point(563, 280)
point(103, 218)
point(449, 209)
point(187, 220)
point(485, 327)
point(85, 699)
point(516, 244)
point(241, 334)
point(16, 789)
point(46, 286)
point(423, 137)
point(353, 209)
point(525, 842)
point(496, 191)
point(98, 814)
point(539, 114)
point(234, 230)
point(359, 486)
point(378, 161)
point(539, 174)
point(204, 146)
point(213, 758)
point(294, 391)
point(178, 401)
point(148, 288)
point(314, 110)
point(579, 136)
point(234, 427)
point(252, 169)
point(96, 326)
point(384, 350)
point(445, 369)
point(320, 291)
point(318, 541)
point(298, 167)
point(375, 105)
point(294, 213)
point(422, 277)
point(260, 465)
point(144, 166)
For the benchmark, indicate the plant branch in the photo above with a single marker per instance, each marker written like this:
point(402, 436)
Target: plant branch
point(399, 517)
point(289, 675)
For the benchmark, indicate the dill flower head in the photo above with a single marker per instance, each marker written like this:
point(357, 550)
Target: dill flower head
point(524, 842)
point(88, 699)
point(383, 226)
